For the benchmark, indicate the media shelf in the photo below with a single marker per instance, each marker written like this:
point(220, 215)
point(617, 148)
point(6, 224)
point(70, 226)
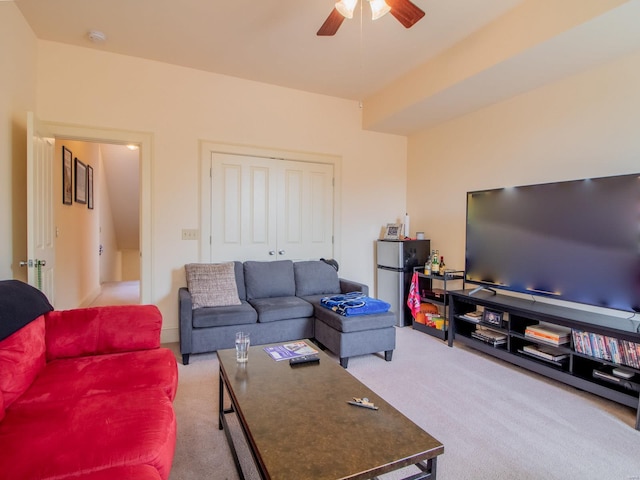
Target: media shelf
point(565, 362)
point(434, 289)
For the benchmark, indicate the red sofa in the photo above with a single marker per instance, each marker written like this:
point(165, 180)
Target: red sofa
point(87, 394)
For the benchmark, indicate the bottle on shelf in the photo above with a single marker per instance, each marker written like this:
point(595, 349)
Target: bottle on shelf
point(428, 265)
point(442, 265)
point(435, 263)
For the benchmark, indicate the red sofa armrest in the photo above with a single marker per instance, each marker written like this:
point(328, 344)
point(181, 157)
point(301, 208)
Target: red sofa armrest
point(100, 330)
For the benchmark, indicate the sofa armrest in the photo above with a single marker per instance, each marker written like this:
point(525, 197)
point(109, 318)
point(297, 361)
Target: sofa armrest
point(185, 313)
point(347, 286)
point(100, 330)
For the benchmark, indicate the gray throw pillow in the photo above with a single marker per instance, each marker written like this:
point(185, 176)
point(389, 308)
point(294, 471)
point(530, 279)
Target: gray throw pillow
point(315, 277)
point(212, 284)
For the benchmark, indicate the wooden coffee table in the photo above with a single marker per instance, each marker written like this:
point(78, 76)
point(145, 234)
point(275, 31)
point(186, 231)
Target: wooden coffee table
point(298, 425)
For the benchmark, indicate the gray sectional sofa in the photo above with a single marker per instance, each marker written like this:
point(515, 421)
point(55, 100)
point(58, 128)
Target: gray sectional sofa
point(279, 301)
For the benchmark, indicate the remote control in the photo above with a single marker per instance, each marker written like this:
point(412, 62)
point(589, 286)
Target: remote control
point(304, 360)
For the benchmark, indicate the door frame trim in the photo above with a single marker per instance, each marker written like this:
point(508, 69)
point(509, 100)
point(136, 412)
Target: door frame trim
point(207, 148)
point(145, 142)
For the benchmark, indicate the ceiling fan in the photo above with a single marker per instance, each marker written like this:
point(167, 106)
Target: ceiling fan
point(406, 12)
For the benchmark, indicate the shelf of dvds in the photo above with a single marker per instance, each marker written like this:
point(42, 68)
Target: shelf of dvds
point(434, 289)
point(593, 352)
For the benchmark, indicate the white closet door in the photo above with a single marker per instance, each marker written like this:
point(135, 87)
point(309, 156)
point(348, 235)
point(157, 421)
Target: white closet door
point(243, 199)
point(269, 209)
point(305, 211)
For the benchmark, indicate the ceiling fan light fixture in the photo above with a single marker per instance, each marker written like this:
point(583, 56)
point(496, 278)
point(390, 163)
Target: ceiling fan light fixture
point(405, 11)
point(379, 8)
point(346, 7)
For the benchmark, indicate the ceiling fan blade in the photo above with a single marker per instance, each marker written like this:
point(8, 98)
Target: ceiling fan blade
point(405, 12)
point(331, 24)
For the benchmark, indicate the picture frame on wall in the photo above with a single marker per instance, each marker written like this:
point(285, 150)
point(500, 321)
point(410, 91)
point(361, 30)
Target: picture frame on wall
point(81, 181)
point(90, 187)
point(67, 176)
point(393, 231)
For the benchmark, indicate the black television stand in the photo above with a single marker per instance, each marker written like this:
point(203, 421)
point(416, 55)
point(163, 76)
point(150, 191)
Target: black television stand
point(594, 369)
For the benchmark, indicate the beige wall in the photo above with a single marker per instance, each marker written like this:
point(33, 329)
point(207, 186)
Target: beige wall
point(181, 106)
point(583, 126)
point(18, 55)
point(110, 261)
point(130, 265)
point(77, 273)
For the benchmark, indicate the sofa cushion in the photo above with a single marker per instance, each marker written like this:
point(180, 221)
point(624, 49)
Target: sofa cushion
point(100, 330)
point(212, 284)
point(269, 279)
point(281, 308)
point(315, 277)
point(70, 378)
point(22, 357)
point(51, 440)
point(354, 323)
point(221, 316)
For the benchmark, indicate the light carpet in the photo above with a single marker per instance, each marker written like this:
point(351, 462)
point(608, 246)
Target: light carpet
point(118, 293)
point(496, 421)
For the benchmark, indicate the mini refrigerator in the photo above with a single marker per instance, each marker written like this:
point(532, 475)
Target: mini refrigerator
point(396, 260)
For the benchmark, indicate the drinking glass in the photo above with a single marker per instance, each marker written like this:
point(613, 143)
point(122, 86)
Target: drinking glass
point(242, 346)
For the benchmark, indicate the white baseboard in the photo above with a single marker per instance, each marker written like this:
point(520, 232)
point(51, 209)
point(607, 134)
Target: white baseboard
point(169, 335)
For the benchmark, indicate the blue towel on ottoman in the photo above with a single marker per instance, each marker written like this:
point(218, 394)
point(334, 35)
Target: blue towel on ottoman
point(354, 303)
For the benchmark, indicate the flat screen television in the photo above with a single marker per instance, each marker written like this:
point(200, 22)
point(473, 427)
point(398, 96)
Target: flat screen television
point(577, 241)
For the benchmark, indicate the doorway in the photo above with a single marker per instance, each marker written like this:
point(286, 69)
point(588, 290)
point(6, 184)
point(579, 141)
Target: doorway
point(144, 142)
point(98, 236)
point(120, 224)
point(119, 229)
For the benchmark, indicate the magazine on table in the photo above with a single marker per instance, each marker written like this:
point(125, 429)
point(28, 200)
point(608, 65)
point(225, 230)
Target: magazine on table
point(290, 350)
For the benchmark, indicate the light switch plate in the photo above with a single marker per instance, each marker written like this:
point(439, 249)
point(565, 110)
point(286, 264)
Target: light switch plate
point(190, 234)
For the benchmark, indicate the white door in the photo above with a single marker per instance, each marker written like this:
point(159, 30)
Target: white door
point(40, 226)
point(305, 210)
point(243, 213)
point(269, 209)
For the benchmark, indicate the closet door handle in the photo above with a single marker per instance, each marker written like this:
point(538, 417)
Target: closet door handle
point(272, 252)
point(280, 252)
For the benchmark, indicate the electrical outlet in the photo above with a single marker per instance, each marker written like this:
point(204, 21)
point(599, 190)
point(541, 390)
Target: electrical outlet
point(190, 234)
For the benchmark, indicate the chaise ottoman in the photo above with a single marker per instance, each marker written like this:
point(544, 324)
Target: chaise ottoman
point(348, 336)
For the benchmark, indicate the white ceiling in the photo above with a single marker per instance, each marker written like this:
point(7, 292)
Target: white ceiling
point(271, 41)
point(608, 36)
point(275, 42)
